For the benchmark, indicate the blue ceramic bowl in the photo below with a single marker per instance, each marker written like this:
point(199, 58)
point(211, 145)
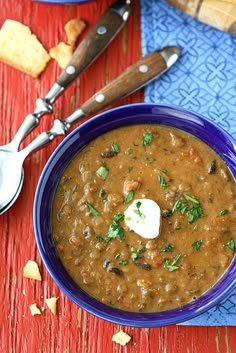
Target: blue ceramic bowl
point(220, 141)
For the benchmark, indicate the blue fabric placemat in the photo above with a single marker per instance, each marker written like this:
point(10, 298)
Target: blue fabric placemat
point(203, 80)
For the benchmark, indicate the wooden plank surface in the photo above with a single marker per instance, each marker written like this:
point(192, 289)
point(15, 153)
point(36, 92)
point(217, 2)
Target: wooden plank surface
point(72, 329)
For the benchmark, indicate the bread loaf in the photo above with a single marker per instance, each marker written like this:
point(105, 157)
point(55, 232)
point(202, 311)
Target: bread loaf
point(220, 14)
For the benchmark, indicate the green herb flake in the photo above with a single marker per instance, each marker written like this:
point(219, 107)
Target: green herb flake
point(168, 248)
point(147, 138)
point(134, 255)
point(123, 262)
point(197, 245)
point(99, 239)
point(191, 199)
point(92, 209)
point(195, 213)
point(75, 189)
point(119, 217)
point(141, 250)
point(162, 181)
point(231, 245)
point(223, 212)
point(102, 172)
point(117, 255)
point(171, 266)
point(130, 169)
point(164, 171)
point(180, 206)
point(115, 231)
point(128, 152)
point(129, 197)
point(115, 147)
point(138, 212)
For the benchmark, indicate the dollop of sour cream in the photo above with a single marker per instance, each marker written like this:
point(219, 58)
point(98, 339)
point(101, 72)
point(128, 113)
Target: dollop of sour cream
point(143, 216)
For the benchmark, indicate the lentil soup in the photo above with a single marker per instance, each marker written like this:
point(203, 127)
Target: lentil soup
point(195, 242)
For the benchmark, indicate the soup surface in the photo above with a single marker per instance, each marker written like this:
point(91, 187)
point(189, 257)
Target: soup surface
point(196, 196)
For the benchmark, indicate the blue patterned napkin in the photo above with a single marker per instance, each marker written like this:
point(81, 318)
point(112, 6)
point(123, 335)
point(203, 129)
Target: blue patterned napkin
point(203, 80)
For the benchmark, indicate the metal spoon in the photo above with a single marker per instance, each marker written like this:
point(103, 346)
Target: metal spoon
point(94, 43)
point(133, 78)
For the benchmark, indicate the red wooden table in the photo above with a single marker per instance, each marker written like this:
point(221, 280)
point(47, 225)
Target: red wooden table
point(72, 329)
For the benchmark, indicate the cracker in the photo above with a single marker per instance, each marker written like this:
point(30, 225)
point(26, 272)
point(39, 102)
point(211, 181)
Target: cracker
point(52, 304)
point(61, 53)
point(73, 29)
point(31, 270)
point(21, 49)
point(121, 337)
point(34, 310)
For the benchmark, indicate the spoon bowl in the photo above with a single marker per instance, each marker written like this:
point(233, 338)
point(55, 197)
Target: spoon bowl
point(11, 178)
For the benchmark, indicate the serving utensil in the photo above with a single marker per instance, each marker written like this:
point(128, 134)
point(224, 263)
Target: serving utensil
point(97, 39)
point(133, 78)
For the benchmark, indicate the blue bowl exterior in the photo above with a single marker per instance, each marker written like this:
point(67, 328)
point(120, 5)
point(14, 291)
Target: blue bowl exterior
point(219, 140)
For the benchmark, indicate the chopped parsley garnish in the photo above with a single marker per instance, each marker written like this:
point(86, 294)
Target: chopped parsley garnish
point(147, 138)
point(117, 255)
point(129, 196)
point(75, 189)
point(223, 212)
point(102, 172)
point(123, 262)
point(130, 168)
point(135, 253)
point(99, 239)
point(168, 248)
point(197, 245)
point(119, 217)
point(191, 199)
point(162, 181)
point(92, 209)
point(164, 171)
point(231, 244)
point(115, 231)
point(115, 147)
point(193, 213)
point(138, 212)
point(171, 266)
point(180, 206)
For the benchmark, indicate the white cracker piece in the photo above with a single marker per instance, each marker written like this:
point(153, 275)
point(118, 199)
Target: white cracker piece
point(21, 49)
point(34, 310)
point(73, 29)
point(52, 304)
point(121, 337)
point(31, 270)
point(61, 53)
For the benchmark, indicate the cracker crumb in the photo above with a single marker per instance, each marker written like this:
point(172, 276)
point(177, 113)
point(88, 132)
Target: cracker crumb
point(34, 310)
point(31, 270)
point(121, 337)
point(52, 304)
point(61, 53)
point(21, 49)
point(73, 29)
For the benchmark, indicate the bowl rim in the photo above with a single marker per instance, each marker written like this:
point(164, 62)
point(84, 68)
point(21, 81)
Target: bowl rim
point(93, 306)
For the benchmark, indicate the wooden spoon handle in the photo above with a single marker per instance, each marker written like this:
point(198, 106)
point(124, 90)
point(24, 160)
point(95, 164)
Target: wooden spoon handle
point(133, 78)
point(106, 28)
